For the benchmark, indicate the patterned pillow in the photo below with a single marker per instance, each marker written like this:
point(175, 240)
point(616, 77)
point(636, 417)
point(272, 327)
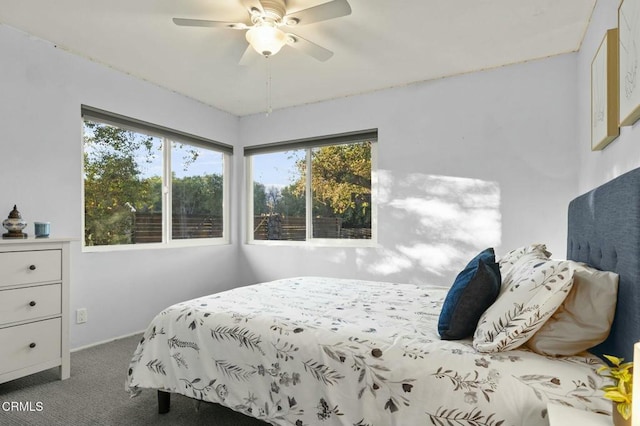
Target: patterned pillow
point(508, 260)
point(476, 287)
point(535, 289)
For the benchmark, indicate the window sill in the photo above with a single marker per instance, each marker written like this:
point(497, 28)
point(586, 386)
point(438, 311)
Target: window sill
point(155, 246)
point(316, 243)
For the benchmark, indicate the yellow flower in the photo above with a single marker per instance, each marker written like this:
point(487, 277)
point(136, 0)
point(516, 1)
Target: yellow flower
point(621, 390)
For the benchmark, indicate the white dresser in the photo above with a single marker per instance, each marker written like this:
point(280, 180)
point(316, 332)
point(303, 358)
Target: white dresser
point(34, 307)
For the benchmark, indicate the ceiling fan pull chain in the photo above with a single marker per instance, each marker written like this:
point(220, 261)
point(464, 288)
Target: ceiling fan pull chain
point(269, 107)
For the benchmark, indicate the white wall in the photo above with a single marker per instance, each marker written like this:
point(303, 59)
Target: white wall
point(483, 159)
point(623, 154)
point(41, 90)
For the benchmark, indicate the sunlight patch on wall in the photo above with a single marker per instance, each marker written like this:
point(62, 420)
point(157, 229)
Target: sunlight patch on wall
point(435, 258)
point(338, 257)
point(432, 224)
point(387, 262)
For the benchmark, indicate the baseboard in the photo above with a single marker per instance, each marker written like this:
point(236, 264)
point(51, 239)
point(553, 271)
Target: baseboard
point(102, 342)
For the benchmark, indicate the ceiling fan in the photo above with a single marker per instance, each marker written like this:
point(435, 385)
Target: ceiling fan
point(268, 18)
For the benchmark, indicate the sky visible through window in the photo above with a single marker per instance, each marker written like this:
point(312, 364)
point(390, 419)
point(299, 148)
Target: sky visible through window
point(208, 162)
point(150, 164)
point(183, 164)
point(272, 170)
point(277, 169)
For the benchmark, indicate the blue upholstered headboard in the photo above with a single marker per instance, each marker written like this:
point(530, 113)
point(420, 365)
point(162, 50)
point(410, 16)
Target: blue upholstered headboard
point(604, 231)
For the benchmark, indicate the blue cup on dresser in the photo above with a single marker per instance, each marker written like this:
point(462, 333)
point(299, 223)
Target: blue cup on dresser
point(42, 229)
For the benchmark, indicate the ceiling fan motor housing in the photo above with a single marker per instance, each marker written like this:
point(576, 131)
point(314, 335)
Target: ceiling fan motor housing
point(274, 10)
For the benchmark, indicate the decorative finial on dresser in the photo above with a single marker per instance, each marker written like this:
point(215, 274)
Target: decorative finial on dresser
point(14, 224)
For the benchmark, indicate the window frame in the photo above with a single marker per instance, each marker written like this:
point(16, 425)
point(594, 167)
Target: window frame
point(167, 136)
point(308, 145)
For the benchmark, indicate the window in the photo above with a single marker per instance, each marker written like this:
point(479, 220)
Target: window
point(312, 190)
point(146, 184)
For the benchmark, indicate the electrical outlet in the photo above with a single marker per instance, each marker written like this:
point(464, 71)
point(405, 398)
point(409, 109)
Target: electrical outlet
point(81, 316)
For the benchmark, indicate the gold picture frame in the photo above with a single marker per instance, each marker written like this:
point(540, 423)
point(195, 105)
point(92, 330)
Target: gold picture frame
point(604, 92)
point(629, 54)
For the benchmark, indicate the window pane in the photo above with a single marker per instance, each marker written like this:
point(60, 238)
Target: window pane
point(122, 182)
point(279, 196)
point(341, 185)
point(196, 191)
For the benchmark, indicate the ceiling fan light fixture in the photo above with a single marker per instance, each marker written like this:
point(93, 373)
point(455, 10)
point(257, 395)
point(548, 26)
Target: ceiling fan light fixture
point(266, 39)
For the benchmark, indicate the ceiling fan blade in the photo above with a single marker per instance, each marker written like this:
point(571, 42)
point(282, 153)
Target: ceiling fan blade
point(252, 5)
point(321, 12)
point(248, 55)
point(308, 47)
point(205, 23)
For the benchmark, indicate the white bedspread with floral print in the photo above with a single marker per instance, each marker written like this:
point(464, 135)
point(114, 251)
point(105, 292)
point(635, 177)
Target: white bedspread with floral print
point(325, 351)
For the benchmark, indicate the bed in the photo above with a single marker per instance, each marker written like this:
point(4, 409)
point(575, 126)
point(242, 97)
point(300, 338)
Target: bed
point(317, 350)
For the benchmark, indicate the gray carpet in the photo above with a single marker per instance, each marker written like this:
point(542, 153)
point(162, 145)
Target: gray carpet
point(95, 395)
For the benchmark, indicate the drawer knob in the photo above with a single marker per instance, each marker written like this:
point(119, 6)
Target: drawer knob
point(32, 303)
point(32, 267)
point(32, 345)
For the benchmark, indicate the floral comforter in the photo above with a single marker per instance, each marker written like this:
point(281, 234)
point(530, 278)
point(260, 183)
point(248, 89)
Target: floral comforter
point(324, 351)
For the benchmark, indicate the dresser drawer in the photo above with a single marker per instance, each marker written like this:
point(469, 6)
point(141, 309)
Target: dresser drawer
point(25, 267)
point(30, 303)
point(30, 344)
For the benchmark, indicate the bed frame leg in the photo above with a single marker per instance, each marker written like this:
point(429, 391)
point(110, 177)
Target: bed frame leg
point(164, 402)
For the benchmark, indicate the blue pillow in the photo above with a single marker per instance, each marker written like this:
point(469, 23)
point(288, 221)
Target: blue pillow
point(473, 291)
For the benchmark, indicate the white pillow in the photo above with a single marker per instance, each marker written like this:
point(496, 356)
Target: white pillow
point(507, 261)
point(584, 318)
point(532, 293)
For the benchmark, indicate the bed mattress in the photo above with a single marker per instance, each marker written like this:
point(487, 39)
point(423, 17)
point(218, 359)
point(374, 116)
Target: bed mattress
point(313, 350)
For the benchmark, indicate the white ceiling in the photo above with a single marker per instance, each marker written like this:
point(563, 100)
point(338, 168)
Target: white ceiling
point(382, 44)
